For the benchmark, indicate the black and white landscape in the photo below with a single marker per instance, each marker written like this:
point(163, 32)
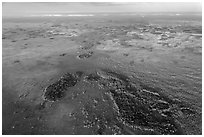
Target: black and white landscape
point(102, 68)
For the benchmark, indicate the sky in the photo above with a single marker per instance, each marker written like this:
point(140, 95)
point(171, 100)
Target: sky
point(39, 8)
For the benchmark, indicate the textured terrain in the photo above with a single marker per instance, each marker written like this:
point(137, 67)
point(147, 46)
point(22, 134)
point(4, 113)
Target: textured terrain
point(102, 75)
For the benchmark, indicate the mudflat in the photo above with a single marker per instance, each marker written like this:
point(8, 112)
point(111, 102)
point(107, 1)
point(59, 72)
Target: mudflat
point(116, 74)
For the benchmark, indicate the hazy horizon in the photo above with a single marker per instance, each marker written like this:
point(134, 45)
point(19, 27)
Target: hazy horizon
point(14, 9)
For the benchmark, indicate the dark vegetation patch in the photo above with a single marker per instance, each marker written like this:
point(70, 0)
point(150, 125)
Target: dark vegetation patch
point(86, 55)
point(62, 54)
point(13, 41)
point(39, 45)
point(16, 61)
point(132, 62)
point(142, 60)
point(56, 91)
point(125, 54)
